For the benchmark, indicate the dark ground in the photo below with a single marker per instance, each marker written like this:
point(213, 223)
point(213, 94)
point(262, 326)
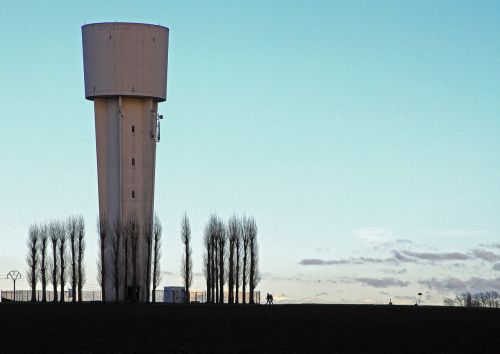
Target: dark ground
point(98, 328)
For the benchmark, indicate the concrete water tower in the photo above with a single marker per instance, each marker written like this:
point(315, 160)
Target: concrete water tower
point(125, 70)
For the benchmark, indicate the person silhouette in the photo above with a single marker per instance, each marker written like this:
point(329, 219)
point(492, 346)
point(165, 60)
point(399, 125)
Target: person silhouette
point(270, 299)
point(267, 299)
point(390, 302)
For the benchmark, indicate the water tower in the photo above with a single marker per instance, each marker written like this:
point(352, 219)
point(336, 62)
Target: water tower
point(125, 70)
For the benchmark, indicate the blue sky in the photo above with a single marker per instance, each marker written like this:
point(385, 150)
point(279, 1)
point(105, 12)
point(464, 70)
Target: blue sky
point(363, 136)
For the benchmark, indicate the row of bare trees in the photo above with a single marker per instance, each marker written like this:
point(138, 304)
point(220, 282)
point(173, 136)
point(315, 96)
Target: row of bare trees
point(481, 299)
point(231, 254)
point(50, 247)
point(120, 240)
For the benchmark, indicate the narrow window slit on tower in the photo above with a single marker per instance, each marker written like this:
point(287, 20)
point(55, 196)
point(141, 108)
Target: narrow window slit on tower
point(133, 194)
point(133, 162)
point(133, 129)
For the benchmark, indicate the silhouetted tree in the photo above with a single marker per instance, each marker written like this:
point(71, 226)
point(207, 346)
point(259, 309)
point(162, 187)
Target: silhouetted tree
point(102, 229)
point(116, 244)
point(54, 240)
point(448, 302)
point(207, 260)
point(131, 241)
point(246, 243)
point(237, 246)
point(221, 241)
point(80, 254)
point(62, 257)
point(32, 258)
point(43, 244)
point(156, 254)
point(148, 236)
point(186, 262)
point(254, 275)
point(72, 231)
point(233, 231)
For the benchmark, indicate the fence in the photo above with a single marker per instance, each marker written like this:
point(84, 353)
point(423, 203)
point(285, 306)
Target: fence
point(197, 296)
point(25, 295)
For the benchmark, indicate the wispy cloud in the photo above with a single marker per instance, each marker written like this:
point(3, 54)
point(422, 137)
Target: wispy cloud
point(486, 255)
point(394, 271)
point(352, 260)
point(496, 267)
point(436, 256)
point(456, 285)
point(383, 282)
point(458, 233)
point(373, 234)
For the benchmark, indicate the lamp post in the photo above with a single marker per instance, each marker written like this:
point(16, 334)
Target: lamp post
point(419, 296)
point(14, 275)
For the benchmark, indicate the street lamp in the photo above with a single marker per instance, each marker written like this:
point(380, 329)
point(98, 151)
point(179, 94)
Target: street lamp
point(419, 296)
point(14, 275)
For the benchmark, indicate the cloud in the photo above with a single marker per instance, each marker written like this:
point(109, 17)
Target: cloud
point(496, 267)
point(436, 256)
point(458, 233)
point(394, 271)
point(457, 285)
point(401, 258)
point(321, 262)
point(486, 255)
point(352, 260)
point(322, 294)
point(383, 282)
point(373, 234)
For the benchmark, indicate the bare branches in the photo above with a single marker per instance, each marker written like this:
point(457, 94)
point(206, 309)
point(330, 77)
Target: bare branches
point(116, 244)
point(80, 254)
point(102, 229)
point(43, 244)
point(254, 253)
point(156, 254)
point(32, 258)
point(72, 233)
point(246, 243)
point(148, 236)
point(54, 242)
point(221, 243)
point(186, 263)
point(62, 257)
point(233, 235)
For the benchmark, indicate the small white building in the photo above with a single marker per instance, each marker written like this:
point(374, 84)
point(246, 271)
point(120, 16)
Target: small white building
point(174, 294)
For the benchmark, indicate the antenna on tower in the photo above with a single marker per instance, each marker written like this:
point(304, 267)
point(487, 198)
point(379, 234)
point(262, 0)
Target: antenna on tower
point(160, 116)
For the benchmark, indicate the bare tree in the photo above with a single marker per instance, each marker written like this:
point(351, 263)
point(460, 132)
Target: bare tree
point(156, 254)
point(237, 246)
point(80, 252)
point(32, 258)
point(221, 240)
point(233, 233)
point(448, 301)
point(126, 238)
point(246, 243)
point(131, 245)
point(54, 240)
point(186, 262)
point(43, 244)
point(102, 229)
point(254, 275)
point(62, 257)
point(72, 232)
point(207, 261)
point(116, 243)
point(148, 236)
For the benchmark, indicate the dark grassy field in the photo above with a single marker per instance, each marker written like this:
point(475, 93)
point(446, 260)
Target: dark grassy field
point(98, 328)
